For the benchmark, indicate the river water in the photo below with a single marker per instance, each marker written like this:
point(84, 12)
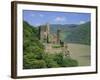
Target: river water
point(81, 53)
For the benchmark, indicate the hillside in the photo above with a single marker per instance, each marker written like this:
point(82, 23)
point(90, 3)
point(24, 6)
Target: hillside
point(73, 33)
point(32, 48)
point(63, 27)
point(80, 34)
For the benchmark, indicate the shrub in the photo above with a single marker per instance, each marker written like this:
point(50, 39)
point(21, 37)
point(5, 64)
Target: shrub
point(34, 63)
point(58, 58)
point(68, 62)
point(65, 61)
point(56, 46)
point(51, 63)
point(38, 64)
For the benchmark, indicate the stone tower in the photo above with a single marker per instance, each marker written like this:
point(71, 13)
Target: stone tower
point(44, 32)
point(58, 35)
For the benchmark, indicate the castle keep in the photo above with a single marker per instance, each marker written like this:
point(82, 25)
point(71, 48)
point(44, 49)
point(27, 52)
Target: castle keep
point(46, 36)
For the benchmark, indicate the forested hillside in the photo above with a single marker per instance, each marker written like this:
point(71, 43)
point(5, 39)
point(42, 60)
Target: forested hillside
point(34, 55)
point(72, 33)
point(80, 34)
point(32, 47)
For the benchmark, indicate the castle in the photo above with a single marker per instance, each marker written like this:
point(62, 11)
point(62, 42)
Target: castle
point(48, 37)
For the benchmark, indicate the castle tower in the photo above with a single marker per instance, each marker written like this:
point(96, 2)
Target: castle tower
point(58, 35)
point(44, 32)
point(48, 31)
point(47, 28)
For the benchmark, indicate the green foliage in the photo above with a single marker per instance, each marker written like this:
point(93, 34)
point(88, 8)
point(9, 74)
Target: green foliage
point(38, 64)
point(51, 63)
point(68, 62)
point(65, 61)
point(34, 63)
point(59, 58)
point(56, 46)
point(49, 59)
point(32, 48)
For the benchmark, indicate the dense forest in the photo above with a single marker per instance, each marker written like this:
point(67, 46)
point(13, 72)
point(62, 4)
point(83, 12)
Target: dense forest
point(34, 55)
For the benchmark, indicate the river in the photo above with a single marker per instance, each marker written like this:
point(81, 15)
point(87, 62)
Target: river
point(81, 53)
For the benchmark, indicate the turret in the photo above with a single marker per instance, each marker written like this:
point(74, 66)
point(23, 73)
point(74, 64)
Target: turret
point(58, 35)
